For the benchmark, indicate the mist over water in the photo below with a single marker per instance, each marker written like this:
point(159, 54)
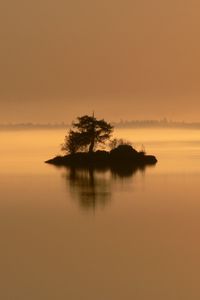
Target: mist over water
point(75, 234)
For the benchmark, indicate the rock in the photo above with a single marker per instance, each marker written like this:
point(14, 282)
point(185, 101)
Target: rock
point(121, 157)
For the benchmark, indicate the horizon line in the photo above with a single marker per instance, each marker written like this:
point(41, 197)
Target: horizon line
point(122, 123)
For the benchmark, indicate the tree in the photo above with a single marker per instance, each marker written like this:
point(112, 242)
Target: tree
point(87, 133)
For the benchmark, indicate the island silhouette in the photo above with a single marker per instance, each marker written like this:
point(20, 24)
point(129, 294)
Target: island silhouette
point(81, 146)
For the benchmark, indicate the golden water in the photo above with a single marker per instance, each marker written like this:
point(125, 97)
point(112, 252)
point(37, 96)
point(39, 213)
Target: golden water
point(70, 236)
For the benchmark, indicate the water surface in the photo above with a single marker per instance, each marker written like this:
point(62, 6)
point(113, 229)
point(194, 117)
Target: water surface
point(68, 234)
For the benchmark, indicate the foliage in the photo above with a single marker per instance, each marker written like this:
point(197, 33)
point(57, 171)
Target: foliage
point(142, 151)
point(118, 142)
point(86, 134)
point(73, 142)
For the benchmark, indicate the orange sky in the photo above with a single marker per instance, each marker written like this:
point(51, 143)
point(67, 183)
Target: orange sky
point(124, 59)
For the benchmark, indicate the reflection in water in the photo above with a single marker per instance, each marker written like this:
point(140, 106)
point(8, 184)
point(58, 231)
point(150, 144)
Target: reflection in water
point(93, 187)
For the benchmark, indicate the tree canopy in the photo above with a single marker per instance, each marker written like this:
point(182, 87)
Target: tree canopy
point(86, 133)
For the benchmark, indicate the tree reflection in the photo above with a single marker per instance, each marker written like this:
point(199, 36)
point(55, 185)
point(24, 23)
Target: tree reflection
point(93, 187)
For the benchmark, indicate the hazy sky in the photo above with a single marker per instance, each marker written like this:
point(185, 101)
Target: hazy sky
point(130, 59)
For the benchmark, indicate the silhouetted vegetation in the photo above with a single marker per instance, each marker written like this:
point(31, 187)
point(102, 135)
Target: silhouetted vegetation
point(114, 143)
point(87, 134)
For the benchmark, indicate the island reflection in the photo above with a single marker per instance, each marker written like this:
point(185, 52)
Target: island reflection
point(92, 187)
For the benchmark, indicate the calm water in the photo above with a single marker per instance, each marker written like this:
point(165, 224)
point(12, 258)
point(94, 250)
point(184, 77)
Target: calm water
point(100, 236)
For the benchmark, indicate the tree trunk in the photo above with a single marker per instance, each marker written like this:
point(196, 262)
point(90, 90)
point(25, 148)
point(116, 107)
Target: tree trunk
point(91, 148)
point(92, 133)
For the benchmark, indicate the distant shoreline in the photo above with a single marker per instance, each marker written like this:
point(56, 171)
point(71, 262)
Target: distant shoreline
point(138, 124)
point(28, 126)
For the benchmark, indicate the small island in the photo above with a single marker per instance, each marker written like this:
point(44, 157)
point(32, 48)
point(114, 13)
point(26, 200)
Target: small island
point(82, 142)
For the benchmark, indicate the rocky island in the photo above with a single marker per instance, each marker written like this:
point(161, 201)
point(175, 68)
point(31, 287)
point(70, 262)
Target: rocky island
point(90, 132)
point(123, 155)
